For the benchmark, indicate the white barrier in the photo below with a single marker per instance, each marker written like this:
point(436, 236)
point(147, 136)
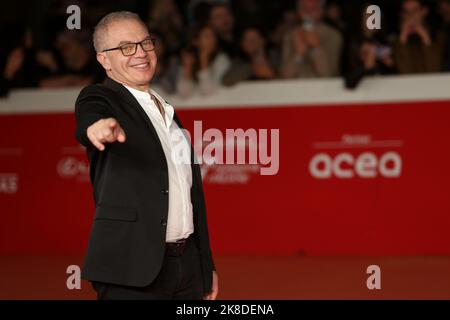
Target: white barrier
point(261, 93)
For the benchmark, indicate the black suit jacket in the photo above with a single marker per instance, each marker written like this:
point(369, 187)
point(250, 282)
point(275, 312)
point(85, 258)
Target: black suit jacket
point(130, 184)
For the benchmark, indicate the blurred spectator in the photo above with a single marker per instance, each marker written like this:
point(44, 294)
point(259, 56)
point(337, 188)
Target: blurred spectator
point(166, 17)
point(221, 20)
point(333, 16)
point(312, 48)
point(304, 41)
point(369, 52)
point(198, 11)
point(418, 48)
point(252, 13)
point(78, 66)
point(287, 23)
point(199, 14)
point(203, 65)
point(165, 76)
point(254, 61)
point(23, 65)
point(444, 11)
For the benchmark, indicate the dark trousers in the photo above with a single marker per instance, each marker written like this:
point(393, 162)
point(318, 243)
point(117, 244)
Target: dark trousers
point(180, 278)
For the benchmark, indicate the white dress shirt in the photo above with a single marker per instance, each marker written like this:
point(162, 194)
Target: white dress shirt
point(180, 217)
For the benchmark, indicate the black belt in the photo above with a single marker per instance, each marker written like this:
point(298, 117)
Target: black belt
point(176, 249)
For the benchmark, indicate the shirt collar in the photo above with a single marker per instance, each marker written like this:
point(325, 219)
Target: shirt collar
point(144, 97)
point(168, 109)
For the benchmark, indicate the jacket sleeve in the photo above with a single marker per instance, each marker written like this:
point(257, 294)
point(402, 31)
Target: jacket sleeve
point(92, 105)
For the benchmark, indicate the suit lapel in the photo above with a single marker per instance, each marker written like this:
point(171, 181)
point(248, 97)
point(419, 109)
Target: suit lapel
point(131, 100)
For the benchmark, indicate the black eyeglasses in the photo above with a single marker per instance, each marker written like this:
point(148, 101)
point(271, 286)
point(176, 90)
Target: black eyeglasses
point(129, 48)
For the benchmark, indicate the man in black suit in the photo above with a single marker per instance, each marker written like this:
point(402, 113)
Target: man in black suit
point(149, 238)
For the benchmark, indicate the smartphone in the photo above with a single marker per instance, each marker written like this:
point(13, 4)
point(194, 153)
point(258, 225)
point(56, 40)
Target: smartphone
point(382, 51)
point(308, 23)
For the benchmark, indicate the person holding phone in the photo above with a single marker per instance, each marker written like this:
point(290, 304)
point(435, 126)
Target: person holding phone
point(311, 49)
point(369, 53)
point(418, 49)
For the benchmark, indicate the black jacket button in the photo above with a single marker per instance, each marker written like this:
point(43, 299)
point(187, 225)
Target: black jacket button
point(165, 191)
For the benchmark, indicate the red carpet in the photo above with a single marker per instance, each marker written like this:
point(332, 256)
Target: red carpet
point(257, 278)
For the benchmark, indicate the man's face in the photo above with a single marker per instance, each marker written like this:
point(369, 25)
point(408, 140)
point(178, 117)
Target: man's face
point(207, 39)
point(310, 8)
point(221, 19)
point(252, 42)
point(136, 70)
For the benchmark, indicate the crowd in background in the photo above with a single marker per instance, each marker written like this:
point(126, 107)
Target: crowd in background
point(203, 45)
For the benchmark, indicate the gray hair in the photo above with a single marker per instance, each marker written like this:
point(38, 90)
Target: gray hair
point(102, 26)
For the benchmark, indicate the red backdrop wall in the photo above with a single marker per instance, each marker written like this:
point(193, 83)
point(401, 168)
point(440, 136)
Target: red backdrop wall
point(46, 203)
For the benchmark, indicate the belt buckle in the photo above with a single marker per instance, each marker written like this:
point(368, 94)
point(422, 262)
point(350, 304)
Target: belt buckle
point(180, 245)
point(177, 248)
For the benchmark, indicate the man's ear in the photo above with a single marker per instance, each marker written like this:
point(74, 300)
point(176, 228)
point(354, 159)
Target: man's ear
point(103, 59)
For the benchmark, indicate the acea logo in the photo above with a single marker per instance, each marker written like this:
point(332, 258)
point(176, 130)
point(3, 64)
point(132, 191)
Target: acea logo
point(356, 156)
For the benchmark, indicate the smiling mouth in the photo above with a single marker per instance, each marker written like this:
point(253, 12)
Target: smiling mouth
point(143, 65)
